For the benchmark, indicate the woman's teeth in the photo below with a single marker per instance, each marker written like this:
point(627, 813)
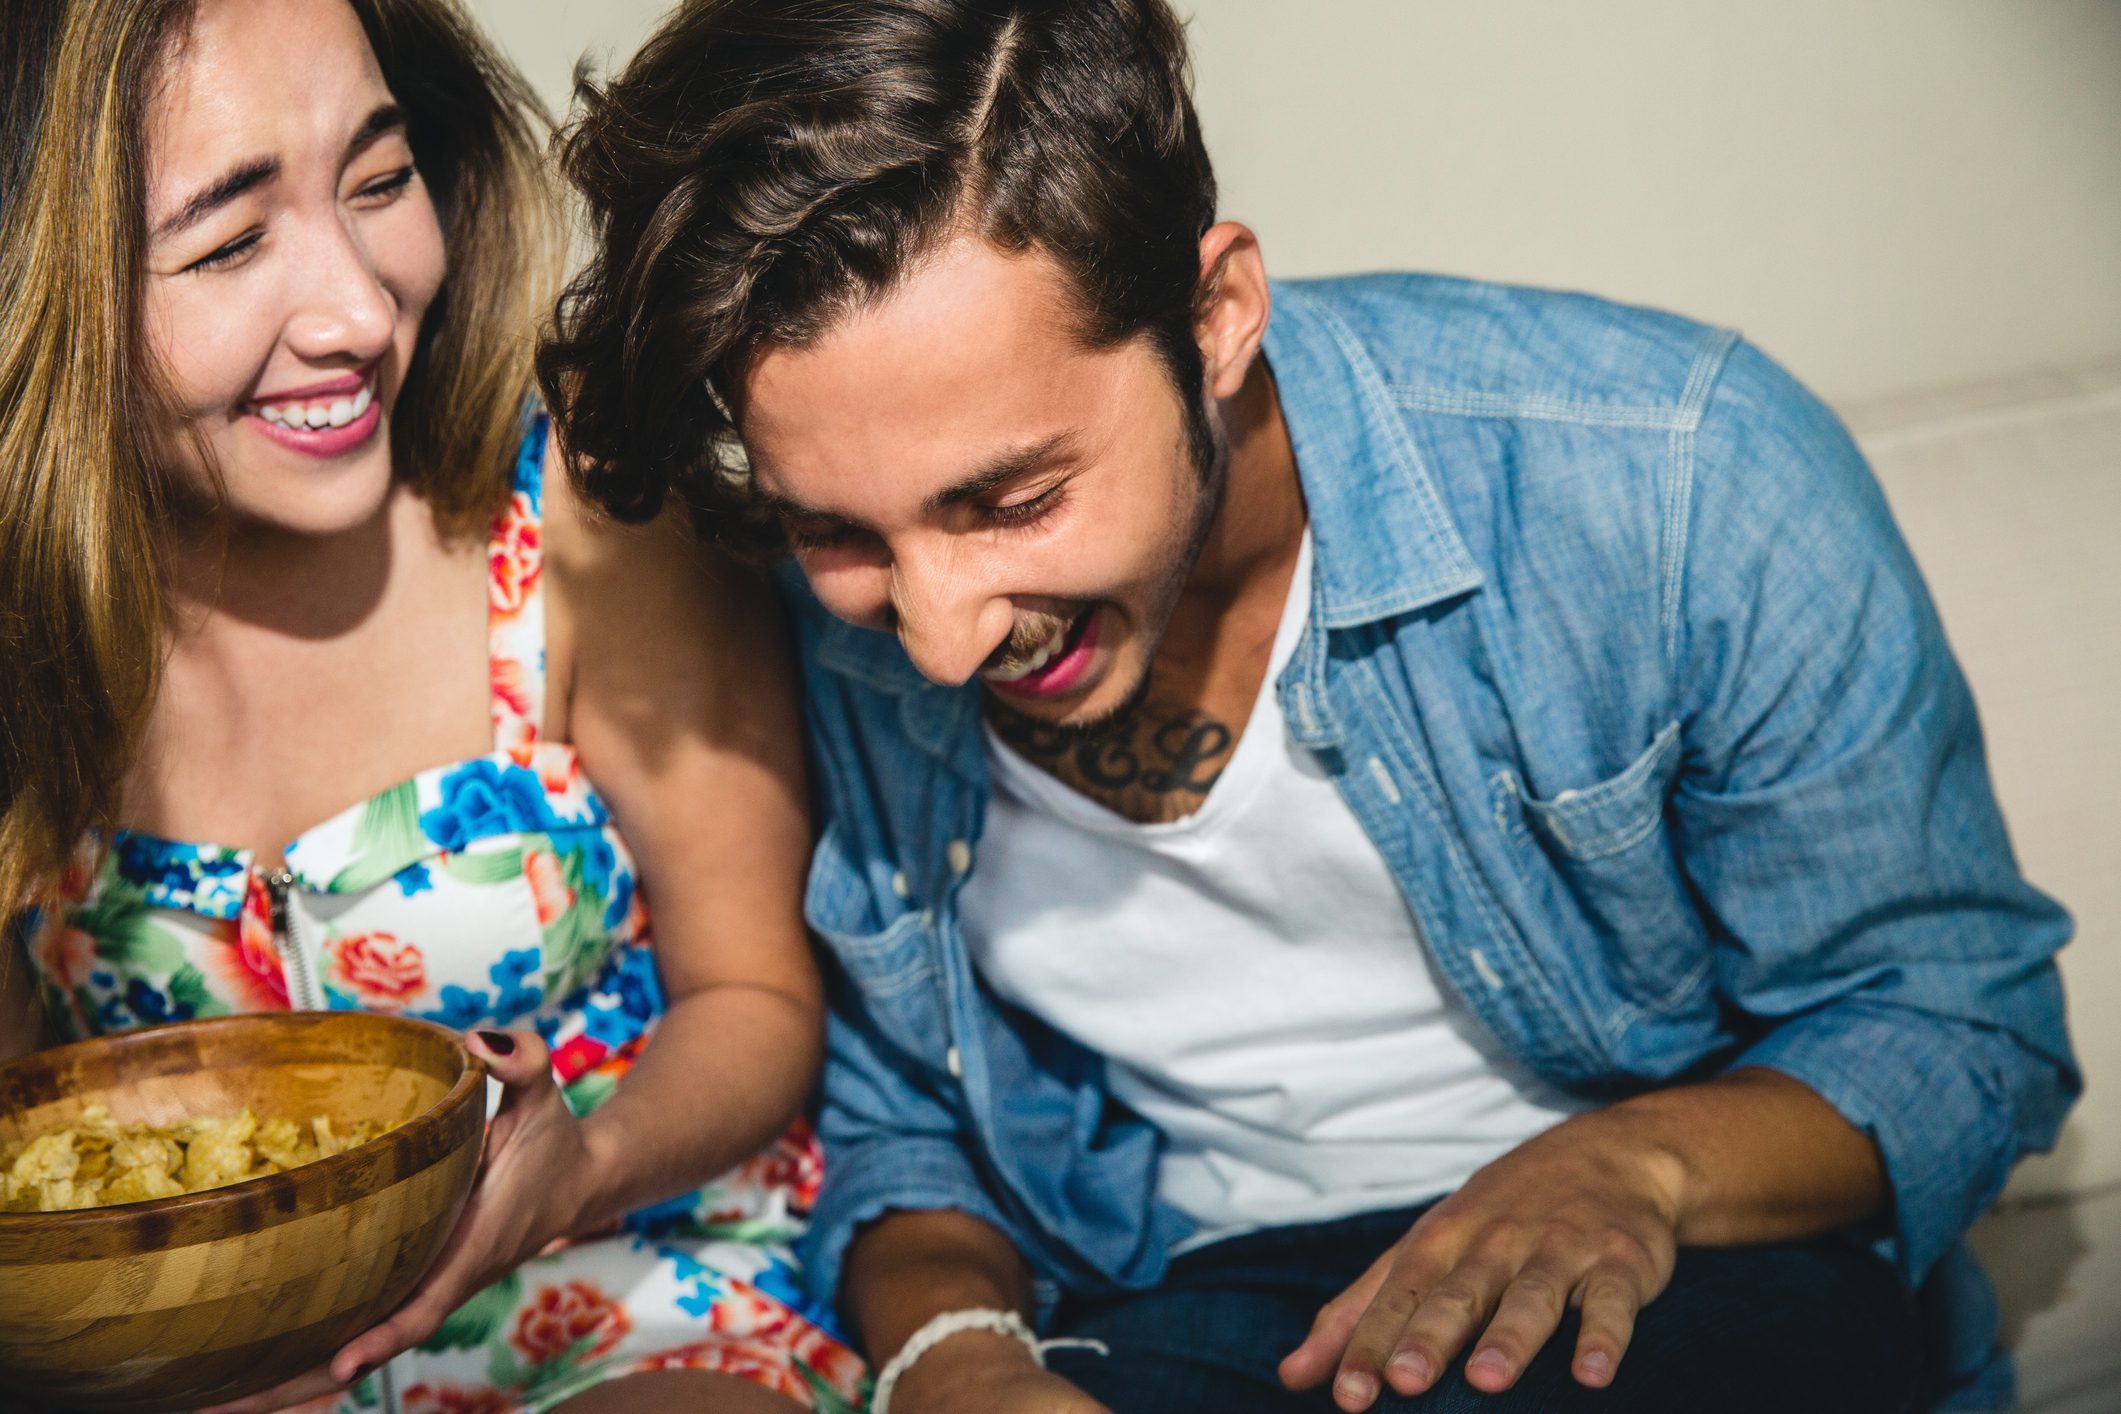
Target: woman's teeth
point(312, 416)
point(1018, 671)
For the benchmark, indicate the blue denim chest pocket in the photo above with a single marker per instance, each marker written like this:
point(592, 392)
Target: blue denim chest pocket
point(892, 966)
point(1609, 846)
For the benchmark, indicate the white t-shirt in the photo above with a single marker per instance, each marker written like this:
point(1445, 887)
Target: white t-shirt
point(1255, 980)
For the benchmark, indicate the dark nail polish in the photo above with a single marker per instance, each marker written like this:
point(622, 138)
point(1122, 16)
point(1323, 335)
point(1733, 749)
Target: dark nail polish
point(361, 1372)
point(499, 1042)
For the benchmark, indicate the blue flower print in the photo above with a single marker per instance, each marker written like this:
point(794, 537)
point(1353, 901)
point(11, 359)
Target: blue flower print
point(530, 463)
point(591, 851)
point(151, 1007)
point(639, 989)
point(178, 875)
point(484, 798)
point(414, 879)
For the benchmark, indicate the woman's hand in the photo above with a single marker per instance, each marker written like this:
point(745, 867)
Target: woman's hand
point(533, 1186)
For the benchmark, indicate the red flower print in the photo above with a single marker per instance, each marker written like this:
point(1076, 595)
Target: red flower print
point(794, 1164)
point(564, 1314)
point(577, 1057)
point(745, 1310)
point(378, 969)
point(761, 1362)
point(516, 555)
point(514, 732)
point(65, 954)
point(455, 1399)
point(834, 1360)
point(548, 890)
point(246, 966)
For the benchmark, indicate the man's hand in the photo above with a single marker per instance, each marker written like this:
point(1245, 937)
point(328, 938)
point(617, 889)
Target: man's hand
point(1590, 1215)
point(518, 1205)
point(979, 1372)
point(1586, 1215)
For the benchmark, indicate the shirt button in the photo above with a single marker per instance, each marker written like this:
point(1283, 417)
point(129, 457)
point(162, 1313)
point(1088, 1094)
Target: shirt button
point(956, 1062)
point(900, 885)
point(960, 856)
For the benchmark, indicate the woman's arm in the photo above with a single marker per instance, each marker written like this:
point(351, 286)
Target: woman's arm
point(669, 672)
point(680, 697)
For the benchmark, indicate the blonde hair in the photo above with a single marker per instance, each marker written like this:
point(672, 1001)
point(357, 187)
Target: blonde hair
point(81, 583)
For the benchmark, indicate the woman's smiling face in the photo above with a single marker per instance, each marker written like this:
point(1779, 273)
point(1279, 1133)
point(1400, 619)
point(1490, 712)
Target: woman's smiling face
point(292, 252)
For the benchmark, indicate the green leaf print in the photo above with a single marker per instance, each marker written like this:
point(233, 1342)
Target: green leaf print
point(575, 942)
point(126, 933)
point(588, 1091)
point(387, 837)
point(187, 988)
point(476, 1321)
point(825, 1399)
point(363, 1394)
point(485, 867)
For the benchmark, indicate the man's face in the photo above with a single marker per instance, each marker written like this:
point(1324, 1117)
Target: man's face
point(951, 464)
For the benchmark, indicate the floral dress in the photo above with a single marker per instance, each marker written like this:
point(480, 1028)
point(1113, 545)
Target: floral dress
point(491, 892)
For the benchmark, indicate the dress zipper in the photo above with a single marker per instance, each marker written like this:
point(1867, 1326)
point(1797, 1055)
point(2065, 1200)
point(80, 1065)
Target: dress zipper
point(301, 990)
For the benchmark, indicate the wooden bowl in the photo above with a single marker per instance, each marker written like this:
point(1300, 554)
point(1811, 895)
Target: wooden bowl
point(186, 1301)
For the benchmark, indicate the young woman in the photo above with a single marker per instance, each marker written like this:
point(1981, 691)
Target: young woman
point(318, 689)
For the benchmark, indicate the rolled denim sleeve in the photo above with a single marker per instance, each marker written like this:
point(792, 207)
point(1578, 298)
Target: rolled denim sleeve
point(890, 1143)
point(1835, 815)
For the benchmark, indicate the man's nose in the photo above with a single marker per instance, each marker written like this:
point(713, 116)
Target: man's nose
point(949, 622)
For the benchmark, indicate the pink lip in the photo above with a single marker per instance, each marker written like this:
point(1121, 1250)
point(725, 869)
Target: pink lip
point(324, 441)
point(1063, 674)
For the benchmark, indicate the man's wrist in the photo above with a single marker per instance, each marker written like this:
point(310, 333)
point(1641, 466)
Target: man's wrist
point(960, 1361)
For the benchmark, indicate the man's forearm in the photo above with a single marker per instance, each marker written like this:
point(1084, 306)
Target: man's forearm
point(1754, 1156)
point(907, 1268)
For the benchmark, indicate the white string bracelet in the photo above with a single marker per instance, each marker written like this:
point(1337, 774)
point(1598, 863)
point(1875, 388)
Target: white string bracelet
point(949, 1323)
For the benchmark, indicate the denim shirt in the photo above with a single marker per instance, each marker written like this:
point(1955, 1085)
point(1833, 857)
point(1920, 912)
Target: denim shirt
point(1617, 655)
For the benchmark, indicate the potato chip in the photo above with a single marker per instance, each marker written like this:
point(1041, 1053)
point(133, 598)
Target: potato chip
point(97, 1162)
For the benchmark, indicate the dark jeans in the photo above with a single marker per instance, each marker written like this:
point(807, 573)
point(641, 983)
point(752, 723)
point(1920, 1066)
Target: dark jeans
point(1816, 1327)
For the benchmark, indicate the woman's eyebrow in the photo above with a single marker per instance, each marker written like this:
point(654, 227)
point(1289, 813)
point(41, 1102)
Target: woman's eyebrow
point(246, 176)
point(250, 175)
point(387, 118)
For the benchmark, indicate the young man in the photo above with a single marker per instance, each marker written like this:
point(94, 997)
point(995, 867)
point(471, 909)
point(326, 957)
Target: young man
point(1387, 840)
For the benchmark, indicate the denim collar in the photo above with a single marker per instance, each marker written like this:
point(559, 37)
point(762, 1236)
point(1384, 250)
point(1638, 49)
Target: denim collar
point(1382, 542)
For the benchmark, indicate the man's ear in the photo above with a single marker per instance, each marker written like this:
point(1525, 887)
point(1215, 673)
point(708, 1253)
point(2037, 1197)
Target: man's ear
point(1234, 302)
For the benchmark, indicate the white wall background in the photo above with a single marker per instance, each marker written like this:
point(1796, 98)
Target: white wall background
point(1888, 194)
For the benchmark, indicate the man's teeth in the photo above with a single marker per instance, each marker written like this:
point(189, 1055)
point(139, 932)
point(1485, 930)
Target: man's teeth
point(1036, 661)
point(311, 416)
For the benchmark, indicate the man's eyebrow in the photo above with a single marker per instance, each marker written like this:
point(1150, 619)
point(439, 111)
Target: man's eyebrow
point(1003, 471)
point(235, 182)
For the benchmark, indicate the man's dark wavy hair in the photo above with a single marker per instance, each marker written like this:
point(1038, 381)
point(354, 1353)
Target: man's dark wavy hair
point(763, 168)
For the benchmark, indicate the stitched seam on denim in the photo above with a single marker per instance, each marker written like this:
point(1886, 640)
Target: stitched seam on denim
point(1640, 769)
point(1500, 931)
point(1370, 382)
point(1422, 398)
point(1679, 498)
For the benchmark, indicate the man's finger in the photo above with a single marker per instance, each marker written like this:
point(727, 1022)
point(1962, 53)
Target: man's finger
point(1610, 1302)
point(1451, 1311)
point(1312, 1361)
point(1527, 1316)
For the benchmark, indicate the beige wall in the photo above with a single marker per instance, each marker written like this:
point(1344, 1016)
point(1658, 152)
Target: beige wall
point(1889, 194)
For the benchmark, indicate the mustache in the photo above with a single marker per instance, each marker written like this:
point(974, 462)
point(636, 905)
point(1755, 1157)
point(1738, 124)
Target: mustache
point(1026, 636)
